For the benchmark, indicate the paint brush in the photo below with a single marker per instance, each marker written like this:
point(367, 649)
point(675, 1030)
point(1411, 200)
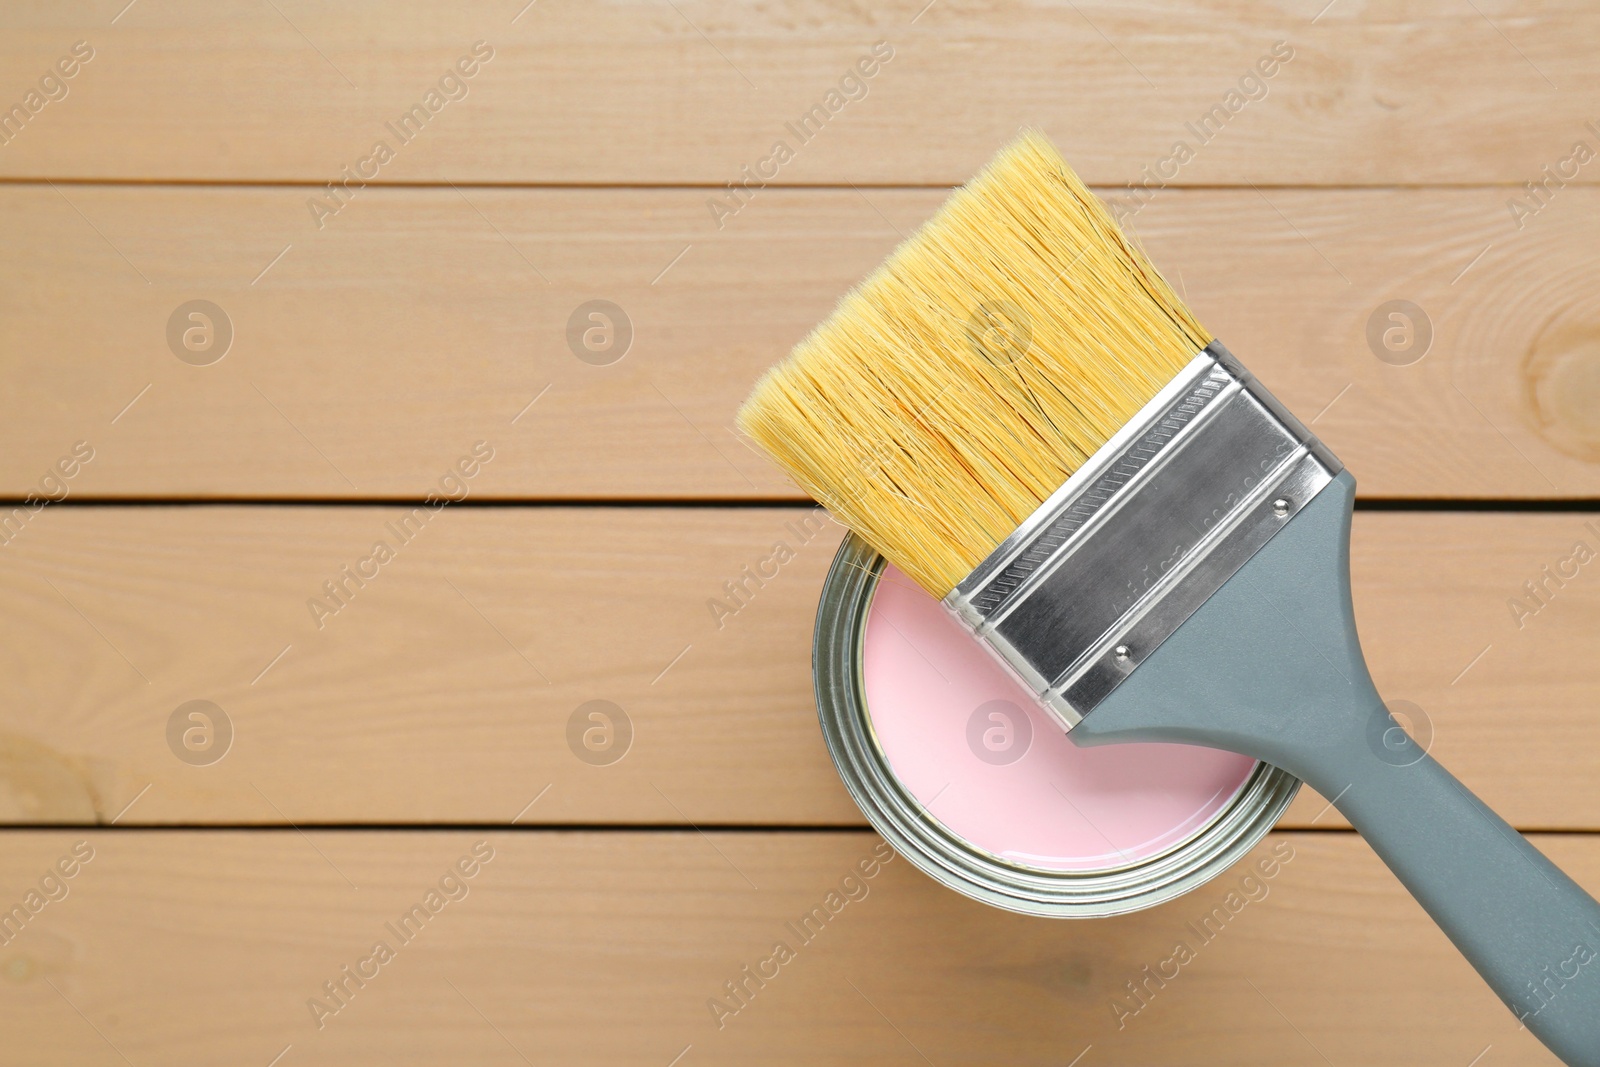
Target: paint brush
point(1018, 412)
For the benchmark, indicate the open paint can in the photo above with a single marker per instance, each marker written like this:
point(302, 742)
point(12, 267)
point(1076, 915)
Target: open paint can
point(961, 770)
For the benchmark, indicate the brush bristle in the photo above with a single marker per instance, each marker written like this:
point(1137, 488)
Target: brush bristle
point(961, 384)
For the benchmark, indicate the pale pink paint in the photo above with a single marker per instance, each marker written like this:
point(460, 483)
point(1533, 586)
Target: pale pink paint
point(1058, 807)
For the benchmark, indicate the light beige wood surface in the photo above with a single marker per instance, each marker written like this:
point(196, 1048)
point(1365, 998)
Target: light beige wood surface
point(644, 92)
point(605, 948)
point(442, 691)
point(381, 331)
point(372, 353)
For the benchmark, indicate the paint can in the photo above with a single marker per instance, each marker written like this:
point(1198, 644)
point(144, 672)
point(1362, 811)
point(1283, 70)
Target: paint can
point(969, 839)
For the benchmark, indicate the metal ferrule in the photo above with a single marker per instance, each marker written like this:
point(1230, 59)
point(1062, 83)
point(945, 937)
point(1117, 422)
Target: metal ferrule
point(1135, 541)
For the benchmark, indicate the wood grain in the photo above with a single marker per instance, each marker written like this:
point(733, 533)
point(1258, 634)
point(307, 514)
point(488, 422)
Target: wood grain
point(606, 948)
point(641, 92)
point(366, 357)
point(442, 691)
point(385, 330)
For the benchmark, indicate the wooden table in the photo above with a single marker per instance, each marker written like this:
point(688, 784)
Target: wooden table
point(374, 324)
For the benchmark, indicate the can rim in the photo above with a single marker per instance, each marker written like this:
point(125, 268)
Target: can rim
point(904, 822)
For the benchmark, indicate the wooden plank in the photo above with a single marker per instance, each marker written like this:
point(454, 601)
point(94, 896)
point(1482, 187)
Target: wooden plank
point(605, 948)
point(442, 691)
point(639, 92)
point(366, 357)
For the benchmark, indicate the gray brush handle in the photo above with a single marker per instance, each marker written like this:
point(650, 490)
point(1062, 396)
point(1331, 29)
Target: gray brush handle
point(1528, 929)
point(1270, 667)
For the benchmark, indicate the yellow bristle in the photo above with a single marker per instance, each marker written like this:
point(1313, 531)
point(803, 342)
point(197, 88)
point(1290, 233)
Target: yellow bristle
point(961, 384)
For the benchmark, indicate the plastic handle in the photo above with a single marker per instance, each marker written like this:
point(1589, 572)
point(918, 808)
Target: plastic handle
point(1528, 929)
point(1270, 667)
